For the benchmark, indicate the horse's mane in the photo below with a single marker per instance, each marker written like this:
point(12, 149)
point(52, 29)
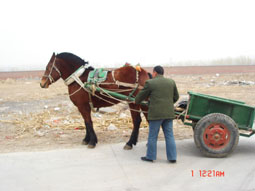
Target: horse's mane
point(71, 58)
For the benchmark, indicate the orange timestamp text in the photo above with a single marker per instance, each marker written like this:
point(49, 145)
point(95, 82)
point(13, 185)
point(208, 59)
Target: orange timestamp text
point(207, 173)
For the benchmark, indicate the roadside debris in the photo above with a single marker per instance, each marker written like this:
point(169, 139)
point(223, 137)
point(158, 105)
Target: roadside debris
point(97, 115)
point(240, 83)
point(112, 127)
point(56, 109)
point(107, 110)
point(123, 116)
point(79, 128)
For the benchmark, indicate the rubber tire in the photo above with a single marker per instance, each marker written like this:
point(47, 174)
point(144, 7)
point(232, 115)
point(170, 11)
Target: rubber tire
point(194, 127)
point(228, 122)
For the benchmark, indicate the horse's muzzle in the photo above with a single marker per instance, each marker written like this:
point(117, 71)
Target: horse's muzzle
point(44, 84)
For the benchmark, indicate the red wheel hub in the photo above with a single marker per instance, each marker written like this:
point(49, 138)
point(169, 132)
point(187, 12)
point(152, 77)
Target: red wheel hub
point(216, 136)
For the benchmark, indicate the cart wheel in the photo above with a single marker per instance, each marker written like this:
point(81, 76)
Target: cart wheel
point(216, 135)
point(194, 124)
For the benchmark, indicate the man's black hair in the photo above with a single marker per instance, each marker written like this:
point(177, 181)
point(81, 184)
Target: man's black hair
point(159, 70)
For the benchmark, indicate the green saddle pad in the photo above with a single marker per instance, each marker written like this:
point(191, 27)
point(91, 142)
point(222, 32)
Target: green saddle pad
point(97, 76)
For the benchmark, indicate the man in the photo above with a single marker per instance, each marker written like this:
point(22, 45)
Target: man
point(162, 94)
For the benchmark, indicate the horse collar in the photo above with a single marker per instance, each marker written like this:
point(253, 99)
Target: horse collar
point(75, 75)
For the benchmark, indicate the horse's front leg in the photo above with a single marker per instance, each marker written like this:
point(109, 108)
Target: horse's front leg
point(90, 137)
point(136, 118)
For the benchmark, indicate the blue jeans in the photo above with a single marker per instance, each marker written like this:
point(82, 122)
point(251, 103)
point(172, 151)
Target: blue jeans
point(167, 126)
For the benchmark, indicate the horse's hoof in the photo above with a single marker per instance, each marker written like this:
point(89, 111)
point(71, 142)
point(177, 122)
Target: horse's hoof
point(127, 147)
point(84, 143)
point(91, 146)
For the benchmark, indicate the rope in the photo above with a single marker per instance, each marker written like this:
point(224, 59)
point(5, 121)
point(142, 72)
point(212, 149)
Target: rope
point(178, 117)
point(119, 90)
point(75, 92)
point(91, 104)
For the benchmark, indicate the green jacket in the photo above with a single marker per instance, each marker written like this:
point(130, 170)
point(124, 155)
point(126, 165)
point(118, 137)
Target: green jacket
point(162, 94)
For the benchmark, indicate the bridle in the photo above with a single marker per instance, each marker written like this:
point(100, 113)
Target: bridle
point(49, 77)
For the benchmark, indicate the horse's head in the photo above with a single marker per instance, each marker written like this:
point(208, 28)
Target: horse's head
point(61, 66)
point(51, 73)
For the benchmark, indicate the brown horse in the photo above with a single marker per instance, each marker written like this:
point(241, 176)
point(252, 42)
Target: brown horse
point(125, 79)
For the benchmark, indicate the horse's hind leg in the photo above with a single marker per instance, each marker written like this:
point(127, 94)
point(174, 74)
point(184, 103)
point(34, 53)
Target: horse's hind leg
point(136, 118)
point(90, 138)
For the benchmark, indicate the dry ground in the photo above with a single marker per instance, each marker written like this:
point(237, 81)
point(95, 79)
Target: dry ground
point(32, 118)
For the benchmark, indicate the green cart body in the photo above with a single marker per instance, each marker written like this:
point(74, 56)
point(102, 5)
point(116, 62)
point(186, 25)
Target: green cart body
point(201, 105)
point(217, 122)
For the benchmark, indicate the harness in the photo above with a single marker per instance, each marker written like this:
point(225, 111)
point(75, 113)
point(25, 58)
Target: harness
point(75, 76)
point(97, 78)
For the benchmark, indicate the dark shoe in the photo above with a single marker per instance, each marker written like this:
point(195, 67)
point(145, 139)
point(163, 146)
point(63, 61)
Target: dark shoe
point(172, 161)
point(145, 159)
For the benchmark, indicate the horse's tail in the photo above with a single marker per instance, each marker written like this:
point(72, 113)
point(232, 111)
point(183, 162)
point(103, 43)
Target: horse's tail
point(150, 75)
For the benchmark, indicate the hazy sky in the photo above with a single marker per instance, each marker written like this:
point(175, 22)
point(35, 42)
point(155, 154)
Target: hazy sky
point(112, 32)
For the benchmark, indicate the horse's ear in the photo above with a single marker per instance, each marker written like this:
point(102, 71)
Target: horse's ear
point(53, 56)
